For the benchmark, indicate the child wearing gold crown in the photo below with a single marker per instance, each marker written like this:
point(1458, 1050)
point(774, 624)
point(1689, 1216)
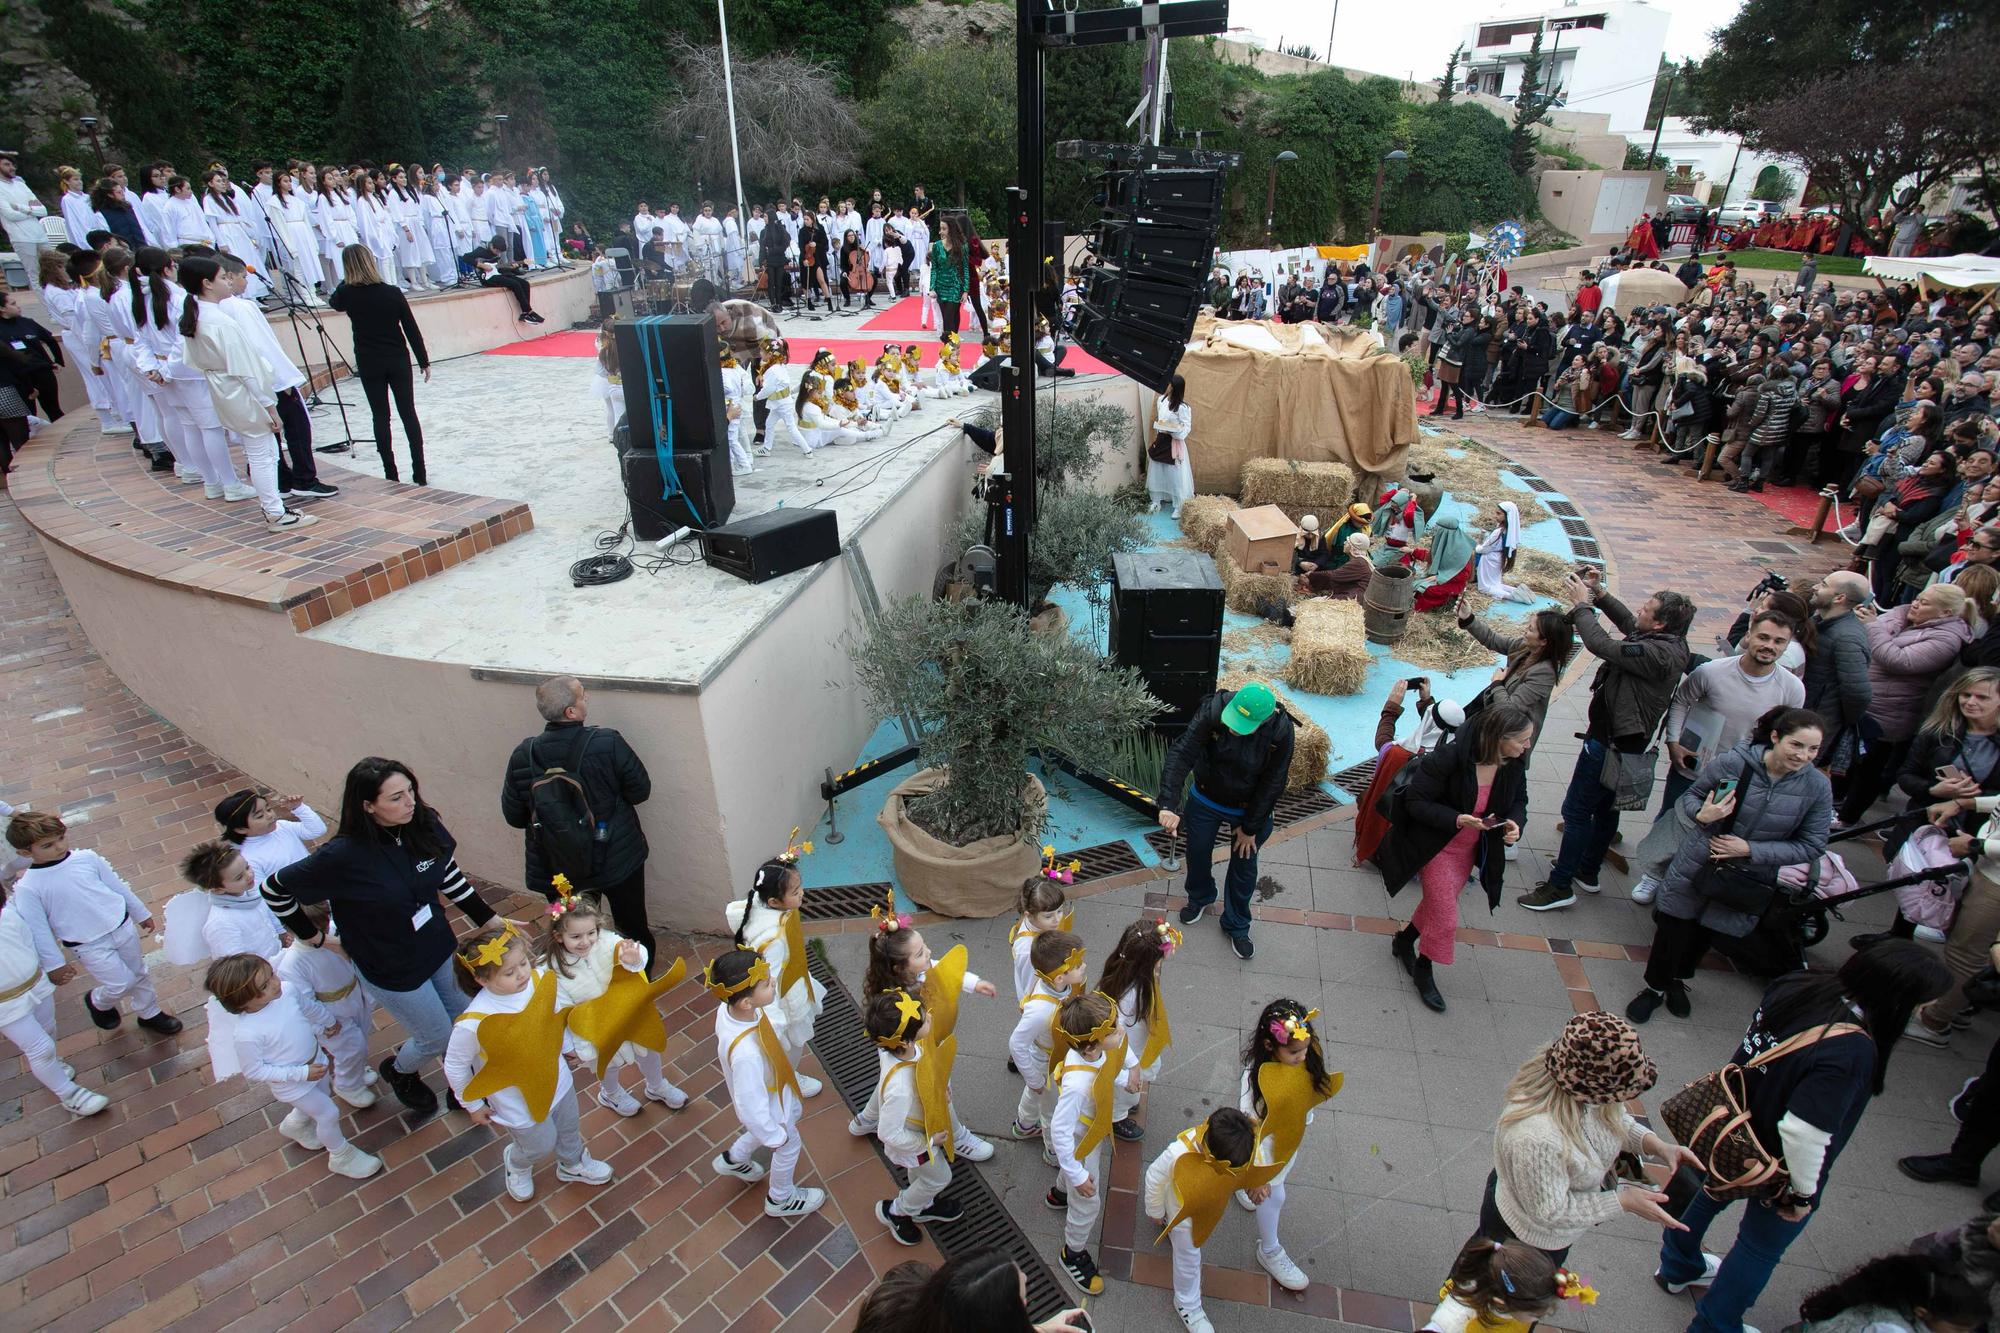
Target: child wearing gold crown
point(767, 920)
point(739, 395)
point(505, 1063)
point(1186, 1200)
point(1284, 1079)
point(585, 954)
point(778, 389)
point(822, 424)
point(1131, 977)
point(880, 395)
point(898, 959)
point(763, 1089)
point(916, 1117)
point(1057, 958)
point(951, 377)
point(1042, 909)
point(1098, 1055)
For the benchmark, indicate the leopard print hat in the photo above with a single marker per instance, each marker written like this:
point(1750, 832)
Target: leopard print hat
point(1596, 1059)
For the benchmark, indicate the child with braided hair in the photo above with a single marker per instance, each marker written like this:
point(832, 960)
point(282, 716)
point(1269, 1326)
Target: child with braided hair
point(767, 921)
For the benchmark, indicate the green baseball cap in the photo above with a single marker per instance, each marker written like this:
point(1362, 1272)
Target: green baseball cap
point(1249, 708)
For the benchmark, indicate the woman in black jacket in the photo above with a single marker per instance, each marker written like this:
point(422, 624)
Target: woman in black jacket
point(1538, 345)
point(1464, 804)
point(385, 334)
point(384, 874)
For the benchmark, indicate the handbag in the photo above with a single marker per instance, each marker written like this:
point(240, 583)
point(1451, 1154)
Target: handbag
point(1630, 777)
point(1710, 1117)
point(1161, 450)
point(1866, 487)
point(1726, 883)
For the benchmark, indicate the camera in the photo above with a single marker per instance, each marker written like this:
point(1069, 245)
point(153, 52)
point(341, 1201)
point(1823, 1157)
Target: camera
point(1417, 682)
point(1769, 583)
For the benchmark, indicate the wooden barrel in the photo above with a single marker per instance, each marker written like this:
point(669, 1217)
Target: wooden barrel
point(1385, 607)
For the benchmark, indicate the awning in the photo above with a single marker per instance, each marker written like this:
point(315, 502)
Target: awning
point(1960, 271)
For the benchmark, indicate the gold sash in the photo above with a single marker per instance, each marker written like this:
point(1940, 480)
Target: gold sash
point(795, 956)
point(1097, 1121)
point(782, 1075)
point(16, 992)
point(523, 1050)
point(942, 987)
point(1159, 1035)
point(1289, 1097)
point(323, 996)
point(1205, 1184)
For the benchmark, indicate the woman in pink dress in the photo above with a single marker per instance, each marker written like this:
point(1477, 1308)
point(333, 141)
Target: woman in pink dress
point(1464, 803)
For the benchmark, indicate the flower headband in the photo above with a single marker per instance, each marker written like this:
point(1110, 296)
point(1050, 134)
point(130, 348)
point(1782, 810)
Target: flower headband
point(793, 849)
point(490, 952)
point(1288, 1028)
point(1170, 937)
point(1062, 874)
point(1571, 1287)
point(909, 1016)
point(885, 916)
point(759, 971)
point(565, 902)
point(1103, 1029)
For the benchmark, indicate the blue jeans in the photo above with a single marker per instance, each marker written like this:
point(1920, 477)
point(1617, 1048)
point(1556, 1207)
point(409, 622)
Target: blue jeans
point(1555, 418)
point(1589, 820)
point(426, 1013)
point(1762, 1238)
point(1200, 822)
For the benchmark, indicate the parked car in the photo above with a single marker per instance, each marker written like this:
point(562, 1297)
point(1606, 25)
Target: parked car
point(1750, 212)
point(1683, 208)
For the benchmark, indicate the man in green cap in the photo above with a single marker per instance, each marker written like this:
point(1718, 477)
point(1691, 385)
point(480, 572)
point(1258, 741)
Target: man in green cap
point(1239, 749)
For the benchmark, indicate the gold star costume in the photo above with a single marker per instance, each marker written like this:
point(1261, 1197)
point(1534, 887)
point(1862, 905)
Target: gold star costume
point(1205, 1182)
point(782, 1074)
point(628, 1010)
point(942, 986)
point(1097, 1124)
point(522, 1050)
point(1289, 1096)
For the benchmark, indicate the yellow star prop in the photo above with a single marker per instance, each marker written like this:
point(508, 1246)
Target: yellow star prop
point(1205, 1183)
point(629, 1010)
point(1289, 1096)
point(522, 1050)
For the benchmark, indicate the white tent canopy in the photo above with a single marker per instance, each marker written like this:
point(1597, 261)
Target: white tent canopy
point(1958, 271)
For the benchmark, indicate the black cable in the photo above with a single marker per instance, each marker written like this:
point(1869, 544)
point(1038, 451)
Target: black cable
point(617, 559)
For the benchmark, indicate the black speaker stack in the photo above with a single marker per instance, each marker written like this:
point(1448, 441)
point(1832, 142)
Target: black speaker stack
point(776, 542)
point(670, 365)
point(1154, 246)
point(1166, 622)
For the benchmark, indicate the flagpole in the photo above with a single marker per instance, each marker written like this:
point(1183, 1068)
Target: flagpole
point(735, 161)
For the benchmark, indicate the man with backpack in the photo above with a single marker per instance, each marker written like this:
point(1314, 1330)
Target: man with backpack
point(572, 787)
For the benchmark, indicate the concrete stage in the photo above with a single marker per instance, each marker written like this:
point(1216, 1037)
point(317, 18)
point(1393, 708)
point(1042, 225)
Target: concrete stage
point(415, 622)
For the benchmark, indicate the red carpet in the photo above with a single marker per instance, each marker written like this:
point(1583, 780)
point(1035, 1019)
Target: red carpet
point(905, 316)
point(583, 342)
point(1796, 503)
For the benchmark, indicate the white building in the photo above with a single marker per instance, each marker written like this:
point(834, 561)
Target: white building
point(1595, 57)
point(1708, 159)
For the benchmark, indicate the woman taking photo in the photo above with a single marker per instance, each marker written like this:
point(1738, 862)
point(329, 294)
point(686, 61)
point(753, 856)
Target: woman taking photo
point(1803, 1105)
point(383, 875)
point(1560, 1133)
point(1465, 802)
point(385, 336)
point(1756, 807)
point(1907, 647)
point(1534, 661)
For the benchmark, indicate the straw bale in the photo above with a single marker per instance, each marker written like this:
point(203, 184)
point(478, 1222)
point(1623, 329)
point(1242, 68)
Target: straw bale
point(1311, 746)
point(1541, 571)
point(1242, 592)
point(1204, 519)
point(1324, 489)
point(1329, 648)
point(1434, 641)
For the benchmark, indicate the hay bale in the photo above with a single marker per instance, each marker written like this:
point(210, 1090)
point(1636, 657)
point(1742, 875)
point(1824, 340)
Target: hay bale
point(1324, 489)
point(1541, 571)
point(1311, 746)
point(1434, 641)
point(1204, 519)
point(1329, 648)
point(1242, 592)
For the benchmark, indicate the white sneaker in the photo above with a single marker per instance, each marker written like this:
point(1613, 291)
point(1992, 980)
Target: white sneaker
point(587, 1171)
point(972, 1148)
point(236, 491)
point(1195, 1320)
point(82, 1102)
point(370, 1078)
point(746, 1172)
point(353, 1163)
point(1918, 1030)
point(808, 1085)
point(1929, 934)
point(520, 1178)
point(211, 492)
point(1645, 890)
point(356, 1097)
point(613, 1097)
point(860, 1128)
point(298, 1127)
point(668, 1095)
point(289, 519)
point(804, 1200)
point(186, 476)
point(1282, 1270)
point(1711, 1265)
point(1243, 1202)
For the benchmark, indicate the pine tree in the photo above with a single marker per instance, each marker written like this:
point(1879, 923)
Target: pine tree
point(1448, 85)
point(1530, 106)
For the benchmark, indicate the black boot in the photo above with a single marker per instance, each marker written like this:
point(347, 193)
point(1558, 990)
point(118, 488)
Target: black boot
point(410, 1090)
point(1403, 944)
point(1427, 990)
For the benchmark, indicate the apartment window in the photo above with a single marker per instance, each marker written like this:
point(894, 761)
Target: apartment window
point(1499, 34)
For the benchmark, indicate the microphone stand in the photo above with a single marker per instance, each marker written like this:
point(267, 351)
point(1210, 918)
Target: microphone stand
point(296, 300)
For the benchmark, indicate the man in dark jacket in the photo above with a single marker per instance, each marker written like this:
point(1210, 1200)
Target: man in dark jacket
point(613, 779)
point(1837, 669)
point(1239, 749)
point(1635, 681)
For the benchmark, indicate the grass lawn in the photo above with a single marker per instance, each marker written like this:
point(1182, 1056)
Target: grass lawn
point(1787, 261)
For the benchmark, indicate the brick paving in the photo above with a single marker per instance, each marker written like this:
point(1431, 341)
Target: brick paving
point(181, 1206)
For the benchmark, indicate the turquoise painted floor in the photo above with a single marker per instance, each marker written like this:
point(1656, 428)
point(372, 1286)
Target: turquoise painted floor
point(1080, 817)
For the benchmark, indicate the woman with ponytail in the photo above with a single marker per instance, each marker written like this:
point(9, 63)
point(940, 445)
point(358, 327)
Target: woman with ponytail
point(232, 216)
point(240, 387)
point(203, 439)
point(104, 291)
point(1897, 1293)
point(151, 316)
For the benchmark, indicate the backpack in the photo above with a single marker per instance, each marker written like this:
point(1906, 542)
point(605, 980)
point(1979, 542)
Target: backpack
point(561, 819)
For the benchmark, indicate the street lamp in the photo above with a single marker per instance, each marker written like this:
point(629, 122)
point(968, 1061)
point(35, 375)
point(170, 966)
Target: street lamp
point(1271, 194)
point(1375, 208)
point(89, 124)
point(500, 125)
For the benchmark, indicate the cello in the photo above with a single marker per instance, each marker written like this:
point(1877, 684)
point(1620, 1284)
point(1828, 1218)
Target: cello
point(860, 278)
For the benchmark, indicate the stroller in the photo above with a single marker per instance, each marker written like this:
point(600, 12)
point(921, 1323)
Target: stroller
point(1808, 896)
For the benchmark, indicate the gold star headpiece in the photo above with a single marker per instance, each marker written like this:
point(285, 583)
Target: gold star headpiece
point(1069, 964)
point(794, 849)
point(759, 970)
point(1062, 874)
point(1103, 1029)
point(884, 914)
point(1170, 938)
point(489, 953)
point(1289, 1028)
point(909, 1017)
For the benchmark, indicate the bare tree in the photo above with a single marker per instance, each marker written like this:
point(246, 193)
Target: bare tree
point(792, 124)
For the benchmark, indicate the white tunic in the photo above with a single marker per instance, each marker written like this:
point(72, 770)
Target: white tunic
point(234, 225)
point(795, 1011)
point(239, 383)
point(241, 923)
point(277, 1045)
point(78, 898)
point(1173, 482)
point(768, 1115)
point(323, 972)
point(20, 965)
point(79, 218)
point(463, 1057)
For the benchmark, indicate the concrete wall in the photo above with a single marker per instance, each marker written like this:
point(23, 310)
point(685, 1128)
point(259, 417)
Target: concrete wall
point(1570, 200)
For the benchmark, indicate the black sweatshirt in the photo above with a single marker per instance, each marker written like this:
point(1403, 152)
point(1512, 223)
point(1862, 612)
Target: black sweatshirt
point(1828, 1084)
point(37, 346)
point(380, 317)
point(384, 901)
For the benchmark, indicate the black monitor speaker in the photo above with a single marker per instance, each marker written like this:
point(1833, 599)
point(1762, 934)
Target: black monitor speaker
point(1141, 354)
point(673, 361)
point(777, 542)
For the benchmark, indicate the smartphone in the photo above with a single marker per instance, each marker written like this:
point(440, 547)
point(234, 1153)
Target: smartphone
point(1723, 790)
point(1493, 821)
point(1416, 682)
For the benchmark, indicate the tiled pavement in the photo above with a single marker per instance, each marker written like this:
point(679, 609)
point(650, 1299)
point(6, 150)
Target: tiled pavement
point(181, 1206)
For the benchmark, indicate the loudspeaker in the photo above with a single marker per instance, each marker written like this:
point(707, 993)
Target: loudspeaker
point(1166, 621)
point(1165, 308)
point(1139, 353)
point(773, 543)
point(1182, 693)
point(684, 375)
point(706, 496)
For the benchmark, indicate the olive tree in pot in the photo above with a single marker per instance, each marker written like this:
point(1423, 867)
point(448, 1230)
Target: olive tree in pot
point(985, 694)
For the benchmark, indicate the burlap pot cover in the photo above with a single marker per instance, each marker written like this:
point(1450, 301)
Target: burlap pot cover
point(981, 879)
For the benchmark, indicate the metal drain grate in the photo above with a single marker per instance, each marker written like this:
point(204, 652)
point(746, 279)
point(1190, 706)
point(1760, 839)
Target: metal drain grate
point(839, 902)
point(1103, 861)
point(1537, 484)
point(848, 1057)
point(1292, 807)
point(1354, 781)
point(1576, 527)
point(1587, 548)
point(1562, 507)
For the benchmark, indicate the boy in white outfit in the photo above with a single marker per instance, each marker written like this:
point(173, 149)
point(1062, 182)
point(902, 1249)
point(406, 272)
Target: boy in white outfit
point(325, 973)
point(1098, 1055)
point(1226, 1142)
point(28, 1005)
point(1058, 961)
point(898, 1024)
point(75, 899)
